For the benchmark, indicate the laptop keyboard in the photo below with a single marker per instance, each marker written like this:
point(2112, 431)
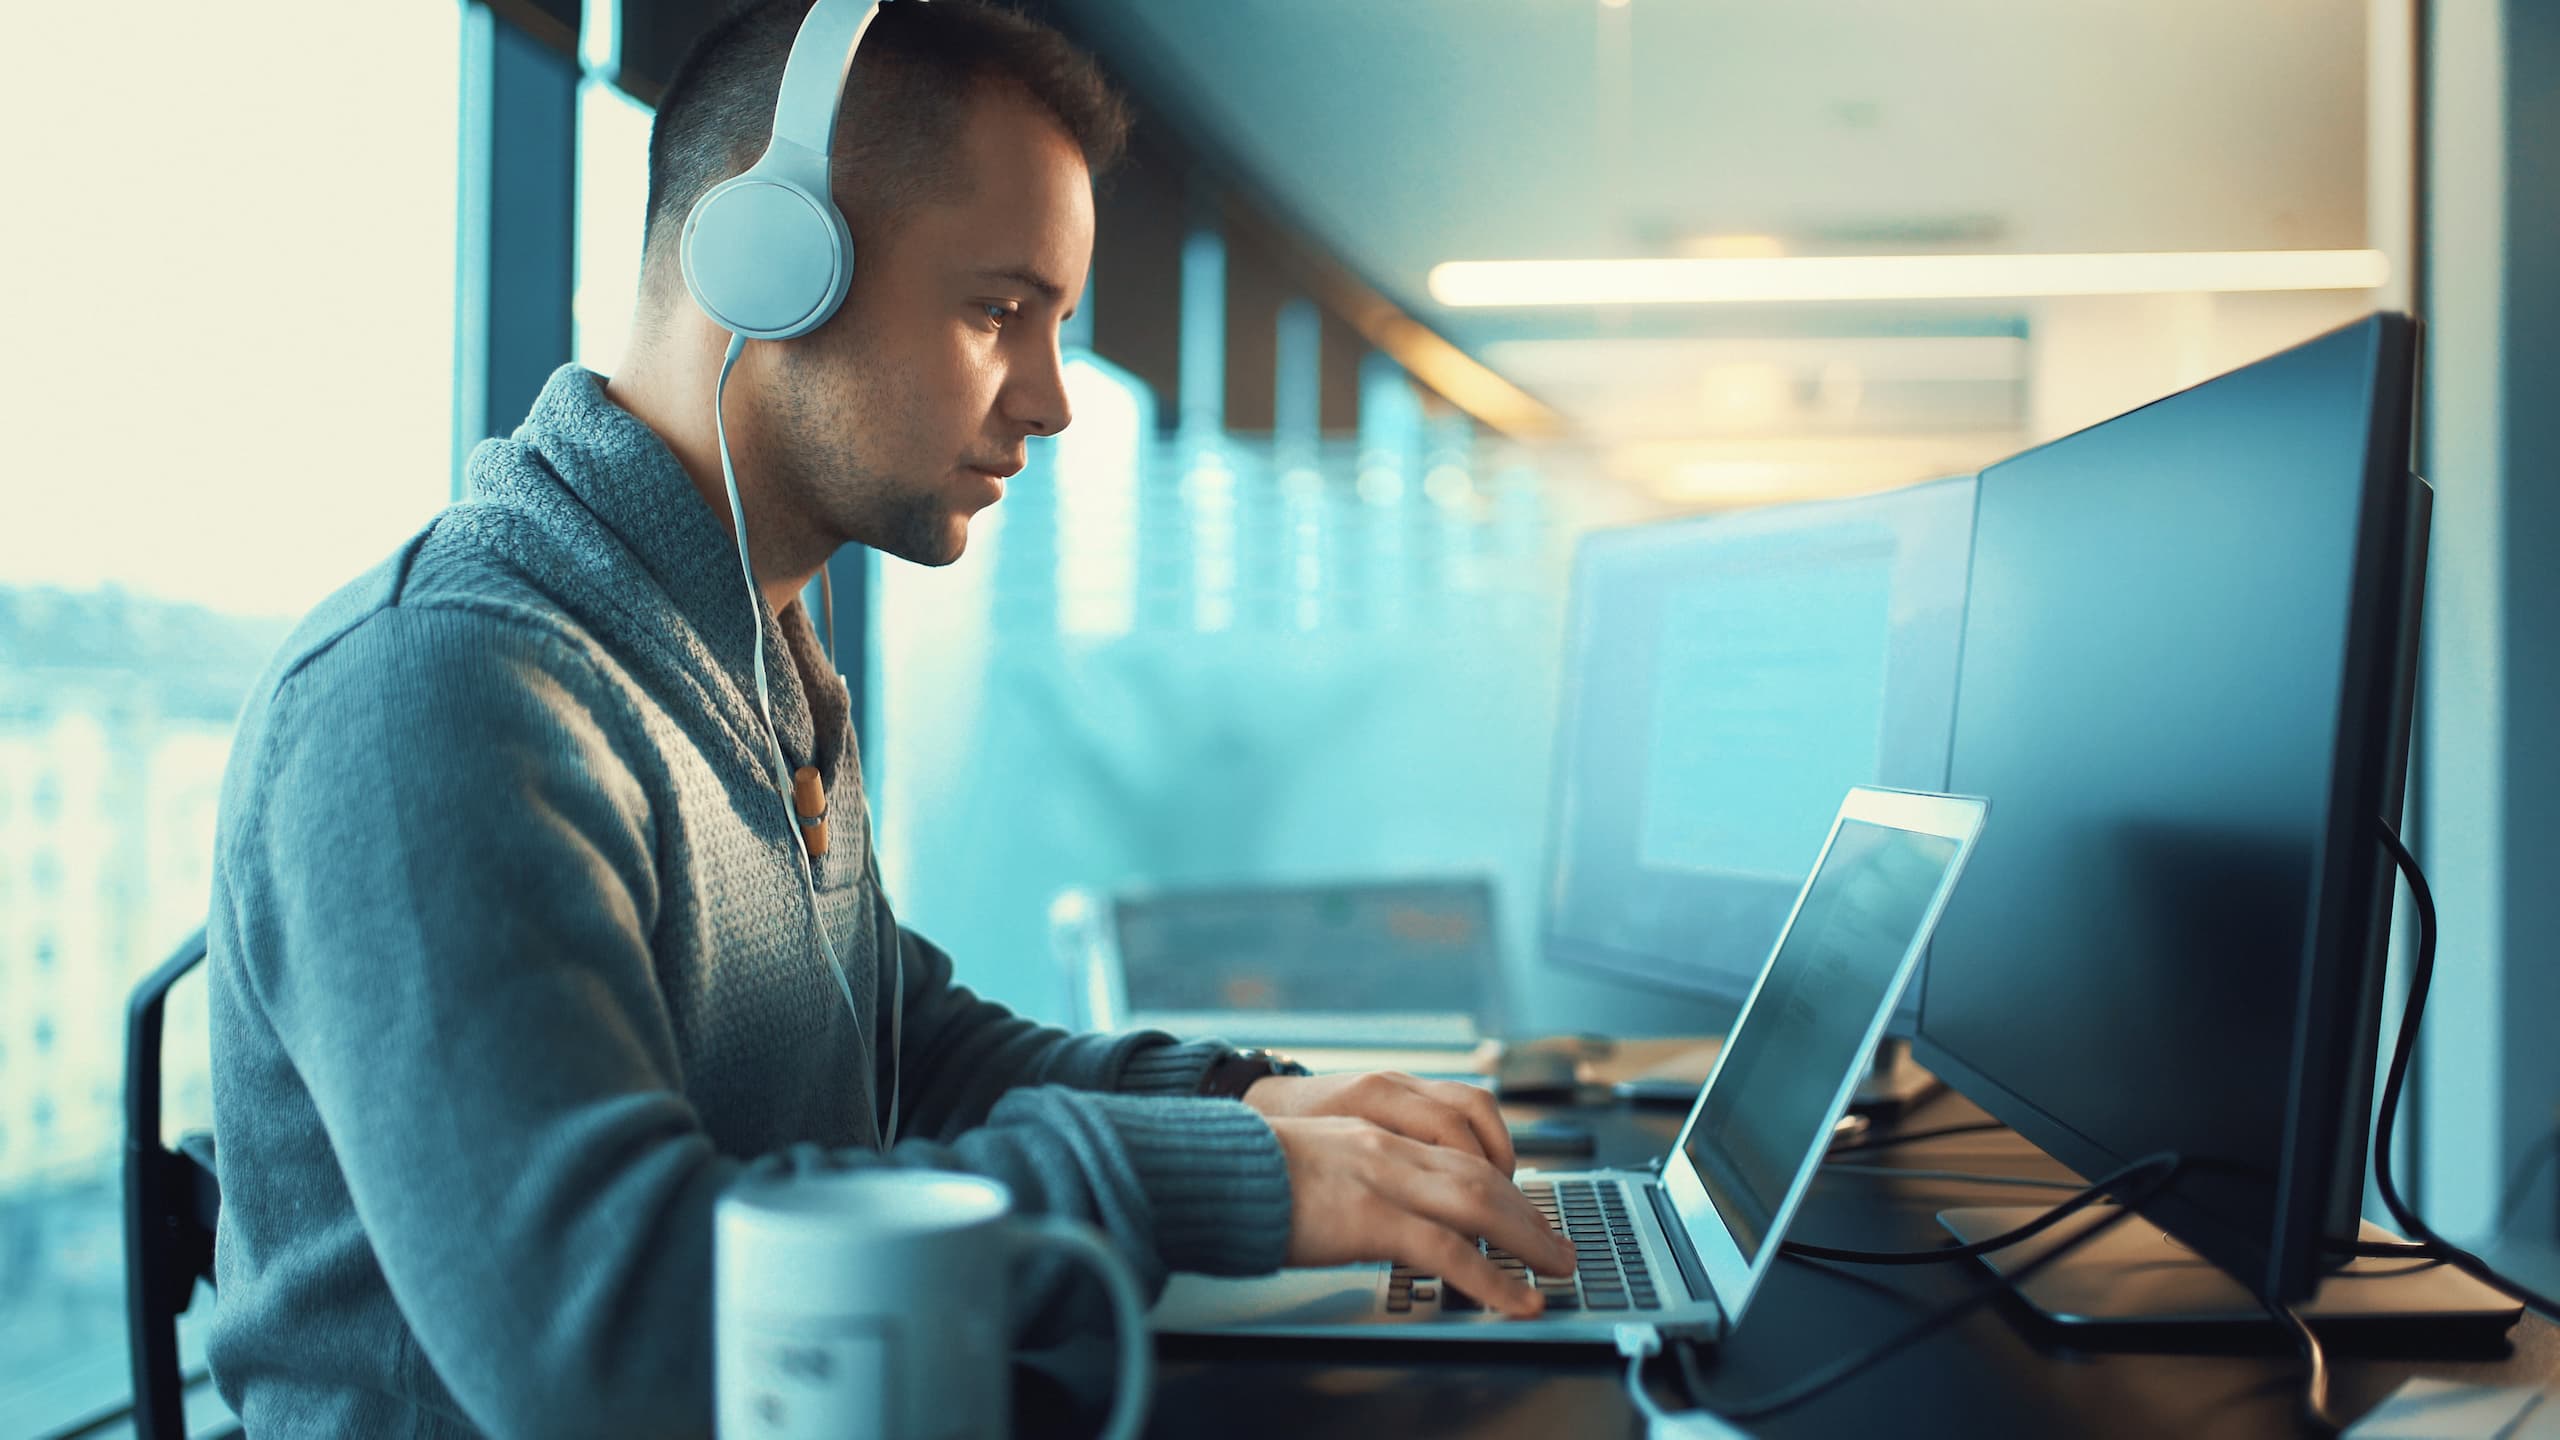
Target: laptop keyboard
point(1609, 1274)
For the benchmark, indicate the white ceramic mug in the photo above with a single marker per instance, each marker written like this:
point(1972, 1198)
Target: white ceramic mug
point(875, 1304)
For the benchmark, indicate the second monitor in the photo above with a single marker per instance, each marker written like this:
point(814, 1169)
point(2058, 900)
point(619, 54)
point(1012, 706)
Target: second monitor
point(1726, 679)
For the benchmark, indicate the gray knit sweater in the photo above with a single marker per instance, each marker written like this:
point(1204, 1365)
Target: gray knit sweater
point(512, 972)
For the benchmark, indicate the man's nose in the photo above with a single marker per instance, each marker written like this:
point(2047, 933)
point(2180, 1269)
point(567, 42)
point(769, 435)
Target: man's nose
point(1040, 403)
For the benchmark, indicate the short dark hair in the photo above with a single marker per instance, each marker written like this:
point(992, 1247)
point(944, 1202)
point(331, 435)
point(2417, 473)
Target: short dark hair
point(919, 67)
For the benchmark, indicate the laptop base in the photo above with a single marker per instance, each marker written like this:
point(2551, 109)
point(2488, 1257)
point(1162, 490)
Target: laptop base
point(2135, 1278)
point(1638, 1272)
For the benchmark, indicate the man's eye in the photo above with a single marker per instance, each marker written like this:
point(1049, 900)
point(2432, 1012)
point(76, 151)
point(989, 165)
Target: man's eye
point(997, 314)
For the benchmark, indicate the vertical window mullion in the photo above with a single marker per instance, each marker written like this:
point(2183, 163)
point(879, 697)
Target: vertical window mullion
point(515, 257)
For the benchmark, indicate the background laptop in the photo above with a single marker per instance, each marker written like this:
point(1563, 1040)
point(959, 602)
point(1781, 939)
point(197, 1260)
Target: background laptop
point(1397, 974)
point(1690, 1243)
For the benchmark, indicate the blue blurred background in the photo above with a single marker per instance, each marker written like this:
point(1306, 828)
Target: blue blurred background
point(1286, 603)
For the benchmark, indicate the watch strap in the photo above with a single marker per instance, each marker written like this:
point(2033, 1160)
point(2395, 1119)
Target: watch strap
point(1235, 1072)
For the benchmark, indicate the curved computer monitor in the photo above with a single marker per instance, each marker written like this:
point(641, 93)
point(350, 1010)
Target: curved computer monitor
point(2185, 685)
point(1726, 679)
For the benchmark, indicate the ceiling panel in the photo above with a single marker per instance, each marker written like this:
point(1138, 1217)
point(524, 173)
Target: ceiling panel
point(1408, 133)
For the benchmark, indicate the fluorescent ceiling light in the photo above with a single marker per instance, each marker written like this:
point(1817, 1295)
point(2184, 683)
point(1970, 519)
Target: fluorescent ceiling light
point(1549, 365)
point(1897, 277)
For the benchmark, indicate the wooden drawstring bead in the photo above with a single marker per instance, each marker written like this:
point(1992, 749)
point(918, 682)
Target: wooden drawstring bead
point(809, 800)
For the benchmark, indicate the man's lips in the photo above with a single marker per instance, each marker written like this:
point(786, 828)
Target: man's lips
point(1000, 472)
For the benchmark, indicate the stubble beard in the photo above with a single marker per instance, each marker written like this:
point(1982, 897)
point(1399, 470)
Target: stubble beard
point(837, 484)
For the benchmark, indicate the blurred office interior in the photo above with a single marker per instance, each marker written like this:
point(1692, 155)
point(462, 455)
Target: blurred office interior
point(1284, 605)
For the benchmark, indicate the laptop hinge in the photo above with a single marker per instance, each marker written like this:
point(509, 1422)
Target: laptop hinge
point(1676, 1235)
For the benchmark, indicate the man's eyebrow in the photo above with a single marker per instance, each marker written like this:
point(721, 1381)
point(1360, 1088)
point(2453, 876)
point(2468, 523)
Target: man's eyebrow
point(1050, 290)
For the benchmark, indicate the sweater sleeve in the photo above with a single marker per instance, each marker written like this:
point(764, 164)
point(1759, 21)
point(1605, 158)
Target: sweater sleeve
point(959, 1053)
point(1211, 1168)
point(446, 899)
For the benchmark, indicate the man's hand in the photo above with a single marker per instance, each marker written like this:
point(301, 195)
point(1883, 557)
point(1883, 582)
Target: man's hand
point(1359, 1192)
point(1435, 1112)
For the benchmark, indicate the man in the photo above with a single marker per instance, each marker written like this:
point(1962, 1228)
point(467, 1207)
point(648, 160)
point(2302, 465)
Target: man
point(513, 962)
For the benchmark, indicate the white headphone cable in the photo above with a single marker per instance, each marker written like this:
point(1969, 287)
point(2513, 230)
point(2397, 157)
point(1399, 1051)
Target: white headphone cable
point(781, 765)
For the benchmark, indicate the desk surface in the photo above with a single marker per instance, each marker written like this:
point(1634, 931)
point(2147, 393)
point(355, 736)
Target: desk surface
point(1994, 1373)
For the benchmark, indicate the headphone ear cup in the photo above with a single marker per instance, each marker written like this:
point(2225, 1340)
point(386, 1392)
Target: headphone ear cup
point(765, 258)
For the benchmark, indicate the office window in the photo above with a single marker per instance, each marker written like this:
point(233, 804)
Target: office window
point(613, 200)
point(238, 340)
point(1200, 657)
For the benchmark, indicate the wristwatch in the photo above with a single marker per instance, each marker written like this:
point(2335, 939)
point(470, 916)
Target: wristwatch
point(1233, 1073)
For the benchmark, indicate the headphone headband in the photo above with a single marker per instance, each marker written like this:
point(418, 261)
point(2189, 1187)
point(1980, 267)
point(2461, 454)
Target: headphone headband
point(813, 79)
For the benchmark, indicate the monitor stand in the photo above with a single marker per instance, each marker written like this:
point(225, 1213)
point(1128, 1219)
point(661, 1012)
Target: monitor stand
point(1893, 1084)
point(2136, 1278)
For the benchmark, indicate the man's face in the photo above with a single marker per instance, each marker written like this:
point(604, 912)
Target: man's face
point(895, 422)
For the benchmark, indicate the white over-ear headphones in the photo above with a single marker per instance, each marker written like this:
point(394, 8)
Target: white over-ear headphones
point(767, 255)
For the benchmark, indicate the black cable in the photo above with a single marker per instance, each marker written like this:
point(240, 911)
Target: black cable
point(2421, 976)
point(2422, 971)
point(1967, 1177)
point(1694, 1380)
point(1800, 1250)
point(1887, 1142)
point(2315, 1390)
point(1850, 1366)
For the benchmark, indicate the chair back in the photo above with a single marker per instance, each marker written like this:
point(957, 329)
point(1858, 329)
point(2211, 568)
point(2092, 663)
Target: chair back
point(171, 1203)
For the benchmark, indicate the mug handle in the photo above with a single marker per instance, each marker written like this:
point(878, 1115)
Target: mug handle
point(1136, 1383)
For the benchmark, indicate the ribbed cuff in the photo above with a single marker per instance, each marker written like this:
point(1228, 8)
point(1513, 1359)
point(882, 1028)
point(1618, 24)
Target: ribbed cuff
point(1215, 1177)
point(1158, 1065)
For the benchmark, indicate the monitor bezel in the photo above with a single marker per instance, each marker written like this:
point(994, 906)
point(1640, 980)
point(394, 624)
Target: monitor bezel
point(2342, 960)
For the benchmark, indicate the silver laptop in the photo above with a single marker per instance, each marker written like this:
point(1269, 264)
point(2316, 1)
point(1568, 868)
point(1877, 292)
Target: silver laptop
point(1689, 1241)
point(1394, 974)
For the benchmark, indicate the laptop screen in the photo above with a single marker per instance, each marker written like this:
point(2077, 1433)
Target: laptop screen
point(1411, 962)
point(1768, 1110)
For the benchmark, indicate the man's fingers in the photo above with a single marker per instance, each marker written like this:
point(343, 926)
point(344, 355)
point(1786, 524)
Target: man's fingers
point(1482, 1116)
point(1364, 1192)
point(1470, 1197)
point(1456, 1261)
point(1400, 1104)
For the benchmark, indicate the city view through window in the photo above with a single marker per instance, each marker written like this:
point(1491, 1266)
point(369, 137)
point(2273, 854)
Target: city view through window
point(256, 416)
